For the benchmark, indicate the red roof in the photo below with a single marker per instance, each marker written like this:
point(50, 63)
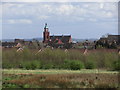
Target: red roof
point(60, 42)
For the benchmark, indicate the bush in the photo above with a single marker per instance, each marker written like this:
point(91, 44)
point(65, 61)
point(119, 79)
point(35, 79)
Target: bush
point(10, 85)
point(48, 66)
point(90, 65)
point(6, 65)
point(76, 65)
point(31, 65)
point(73, 65)
point(116, 65)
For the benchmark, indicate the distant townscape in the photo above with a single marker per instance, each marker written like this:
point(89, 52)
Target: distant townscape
point(63, 41)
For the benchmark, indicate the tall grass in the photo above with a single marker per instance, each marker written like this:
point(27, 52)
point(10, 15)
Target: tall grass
point(49, 59)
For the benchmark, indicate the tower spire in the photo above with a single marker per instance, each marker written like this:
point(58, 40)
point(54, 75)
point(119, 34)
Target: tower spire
point(46, 26)
point(46, 33)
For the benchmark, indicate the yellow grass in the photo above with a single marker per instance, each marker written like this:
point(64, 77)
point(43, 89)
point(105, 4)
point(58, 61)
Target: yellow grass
point(53, 71)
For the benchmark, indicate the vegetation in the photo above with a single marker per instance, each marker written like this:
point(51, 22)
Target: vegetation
point(90, 65)
point(72, 59)
point(73, 64)
point(59, 79)
point(116, 65)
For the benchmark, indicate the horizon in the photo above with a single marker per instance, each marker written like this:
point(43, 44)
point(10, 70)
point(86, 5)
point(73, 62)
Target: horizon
point(42, 38)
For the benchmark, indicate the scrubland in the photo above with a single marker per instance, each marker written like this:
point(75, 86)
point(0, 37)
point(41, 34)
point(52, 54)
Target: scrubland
point(41, 70)
point(59, 59)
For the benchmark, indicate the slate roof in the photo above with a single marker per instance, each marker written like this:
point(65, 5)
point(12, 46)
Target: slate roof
point(9, 44)
point(61, 39)
point(114, 37)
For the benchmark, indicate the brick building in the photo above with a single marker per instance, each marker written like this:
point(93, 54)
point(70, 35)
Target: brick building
point(56, 41)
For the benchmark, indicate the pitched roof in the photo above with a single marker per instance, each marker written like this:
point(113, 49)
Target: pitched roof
point(4, 44)
point(63, 39)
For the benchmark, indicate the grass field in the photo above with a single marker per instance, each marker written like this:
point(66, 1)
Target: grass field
point(16, 78)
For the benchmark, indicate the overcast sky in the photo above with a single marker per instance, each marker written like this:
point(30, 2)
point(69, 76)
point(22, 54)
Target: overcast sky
point(79, 19)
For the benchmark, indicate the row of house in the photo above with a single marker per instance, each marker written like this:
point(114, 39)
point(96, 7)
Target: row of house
point(65, 41)
point(111, 41)
point(20, 43)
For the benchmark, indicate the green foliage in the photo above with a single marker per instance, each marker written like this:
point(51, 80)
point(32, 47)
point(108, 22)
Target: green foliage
point(91, 60)
point(116, 65)
point(31, 65)
point(48, 66)
point(73, 64)
point(26, 86)
point(59, 59)
point(90, 65)
point(10, 85)
point(8, 65)
point(76, 65)
point(109, 59)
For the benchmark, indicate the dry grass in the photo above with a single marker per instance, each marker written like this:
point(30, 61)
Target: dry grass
point(54, 71)
point(66, 80)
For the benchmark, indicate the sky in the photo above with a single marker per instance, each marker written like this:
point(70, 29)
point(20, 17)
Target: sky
point(81, 20)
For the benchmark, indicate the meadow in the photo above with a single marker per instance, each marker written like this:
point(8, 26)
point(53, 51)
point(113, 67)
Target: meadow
point(60, 79)
point(58, 68)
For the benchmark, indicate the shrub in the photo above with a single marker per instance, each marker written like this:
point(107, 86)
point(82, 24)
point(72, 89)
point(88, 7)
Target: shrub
point(116, 65)
point(26, 86)
point(6, 65)
point(31, 65)
point(73, 64)
point(90, 65)
point(110, 59)
point(76, 65)
point(48, 66)
point(10, 85)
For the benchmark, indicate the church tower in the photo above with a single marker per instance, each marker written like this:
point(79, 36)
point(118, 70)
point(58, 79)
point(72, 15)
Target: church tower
point(46, 35)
